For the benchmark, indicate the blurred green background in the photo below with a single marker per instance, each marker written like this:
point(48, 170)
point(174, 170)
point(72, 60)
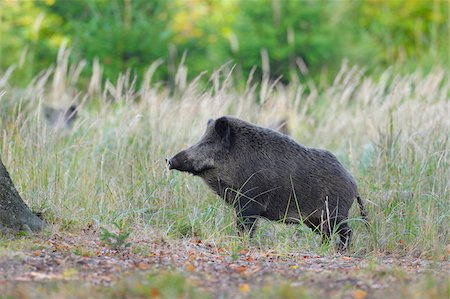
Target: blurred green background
point(299, 37)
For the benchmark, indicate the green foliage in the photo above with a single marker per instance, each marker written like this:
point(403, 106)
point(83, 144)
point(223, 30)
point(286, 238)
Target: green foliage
point(289, 31)
point(27, 39)
point(397, 32)
point(22, 233)
point(116, 240)
point(131, 34)
point(120, 34)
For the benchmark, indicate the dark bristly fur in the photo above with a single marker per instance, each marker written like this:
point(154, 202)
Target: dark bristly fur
point(263, 173)
point(61, 118)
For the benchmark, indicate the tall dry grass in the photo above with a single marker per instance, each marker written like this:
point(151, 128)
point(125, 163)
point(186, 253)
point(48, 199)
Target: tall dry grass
point(391, 132)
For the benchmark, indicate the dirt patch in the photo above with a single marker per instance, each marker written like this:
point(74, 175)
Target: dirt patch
point(219, 271)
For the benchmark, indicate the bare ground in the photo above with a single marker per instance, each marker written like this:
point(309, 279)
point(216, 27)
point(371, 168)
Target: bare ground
point(220, 272)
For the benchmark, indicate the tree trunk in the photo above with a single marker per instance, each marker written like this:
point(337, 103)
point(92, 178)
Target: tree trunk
point(14, 213)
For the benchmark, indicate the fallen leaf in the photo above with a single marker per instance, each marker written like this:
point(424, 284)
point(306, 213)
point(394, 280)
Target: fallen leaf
point(190, 267)
point(250, 259)
point(346, 258)
point(191, 255)
point(142, 266)
point(359, 294)
point(196, 241)
point(154, 293)
point(37, 253)
point(244, 251)
point(244, 288)
point(294, 267)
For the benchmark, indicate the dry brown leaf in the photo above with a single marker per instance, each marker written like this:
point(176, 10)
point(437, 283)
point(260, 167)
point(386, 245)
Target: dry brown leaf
point(154, 293)
point(190, 267)
point(346, 258)
point(191, 255)
point(359, 294)
point(196, 241)
point(244, 288)
point(142, 266)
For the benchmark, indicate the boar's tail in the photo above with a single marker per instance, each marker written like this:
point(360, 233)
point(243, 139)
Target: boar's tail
point(362, 209)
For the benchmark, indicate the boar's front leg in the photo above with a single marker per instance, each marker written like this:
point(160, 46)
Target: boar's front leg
point(247, 212)
point(246, 224)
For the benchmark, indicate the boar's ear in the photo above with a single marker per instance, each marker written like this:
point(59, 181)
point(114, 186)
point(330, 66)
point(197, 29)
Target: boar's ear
point(48, 111)
point(71, 112)
point(222, 128)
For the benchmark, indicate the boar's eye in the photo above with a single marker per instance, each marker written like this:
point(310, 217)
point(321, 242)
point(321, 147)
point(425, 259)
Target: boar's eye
point(209, 121)
point(222, 128)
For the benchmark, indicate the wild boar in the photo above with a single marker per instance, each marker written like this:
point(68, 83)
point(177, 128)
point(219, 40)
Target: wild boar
point(281, 126)
point(263, 173)
point(60, 118)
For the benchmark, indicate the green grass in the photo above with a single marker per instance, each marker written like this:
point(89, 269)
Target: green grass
point(391, 133)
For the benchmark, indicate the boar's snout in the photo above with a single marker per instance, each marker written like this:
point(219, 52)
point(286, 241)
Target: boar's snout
point(190, 161)
point(168, 162)
point(179, 162)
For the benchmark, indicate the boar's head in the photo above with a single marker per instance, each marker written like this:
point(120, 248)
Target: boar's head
point(209, 153)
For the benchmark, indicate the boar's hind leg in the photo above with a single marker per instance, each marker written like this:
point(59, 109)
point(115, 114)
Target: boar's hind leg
point(345, 236)
point(340, 226)
point(320, 227)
